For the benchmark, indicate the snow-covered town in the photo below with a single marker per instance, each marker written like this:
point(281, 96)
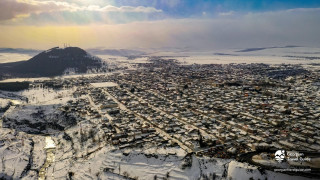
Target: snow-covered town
point(159, 89)
point(163, 119)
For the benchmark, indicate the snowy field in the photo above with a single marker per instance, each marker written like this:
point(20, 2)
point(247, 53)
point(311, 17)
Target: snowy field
point(296, 55)
point(17, 151)
point(239, 171)
point(293, 55)
point(225, 59)
point(25, 79)
point(61, 77)
point(4, 102)
point(104, 84)
point(47, 96)
point(135, 163)
point(40, 107)
point(290, 55)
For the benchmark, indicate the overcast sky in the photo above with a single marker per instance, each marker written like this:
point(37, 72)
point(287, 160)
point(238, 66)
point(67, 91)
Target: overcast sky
point(134, 24)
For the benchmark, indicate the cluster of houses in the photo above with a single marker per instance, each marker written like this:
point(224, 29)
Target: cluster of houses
point(214, 110)
point(238, 106)
point(121, 128)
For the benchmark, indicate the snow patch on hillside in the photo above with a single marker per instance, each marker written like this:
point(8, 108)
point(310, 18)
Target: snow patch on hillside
point(20, 155)
point(4, 103)
point(138, 164)
point(239, 171)
point(46, 96)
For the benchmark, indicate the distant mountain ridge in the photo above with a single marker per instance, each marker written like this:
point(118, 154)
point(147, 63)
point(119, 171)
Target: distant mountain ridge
point(263, 48)
point(52, 62)
point(95, 51)
point(116, 52)
point(20, 51)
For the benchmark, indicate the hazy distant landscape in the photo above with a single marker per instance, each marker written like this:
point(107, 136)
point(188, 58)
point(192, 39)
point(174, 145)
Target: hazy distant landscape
point(286, 54)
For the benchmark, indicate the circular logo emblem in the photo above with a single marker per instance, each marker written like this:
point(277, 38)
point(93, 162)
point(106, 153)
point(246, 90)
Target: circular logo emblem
point(280, 155)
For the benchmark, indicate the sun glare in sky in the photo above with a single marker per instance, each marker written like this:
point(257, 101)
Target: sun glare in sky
point(41, 24)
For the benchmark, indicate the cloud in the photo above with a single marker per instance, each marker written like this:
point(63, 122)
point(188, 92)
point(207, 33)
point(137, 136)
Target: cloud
point(115, 52)
point(19, 51)
point(267, 29)
point(230, 13)
point(110, 8)
point(303, 10)
point(10, 9)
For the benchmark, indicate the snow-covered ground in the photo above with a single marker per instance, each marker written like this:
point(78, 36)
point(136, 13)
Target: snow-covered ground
point(239, 171)
point(4, 102)
point(24, 79)
point(137, 164)
point(40, 113)
point(104, 84)
point(58, 77)
point(292, 55)
point(289, 55)
point(226, 59)
point(47, 96)
point(36, 96)
point(234, 54)
point(20, 154)
point(296, 55)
